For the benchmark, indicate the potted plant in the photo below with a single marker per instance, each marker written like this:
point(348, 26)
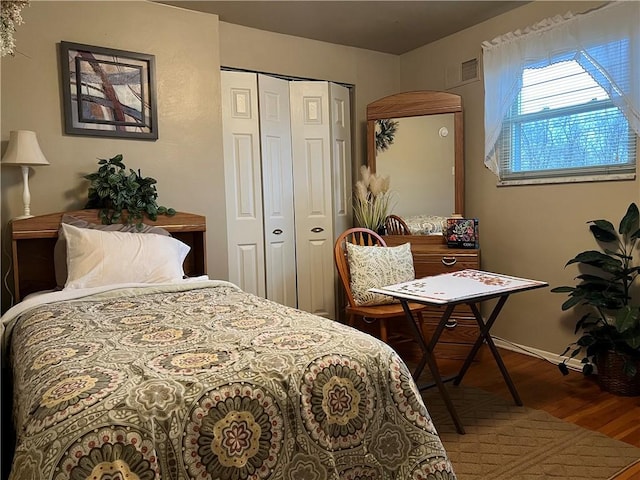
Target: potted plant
point(123, 196)
point(372, 199)
point(610, 327)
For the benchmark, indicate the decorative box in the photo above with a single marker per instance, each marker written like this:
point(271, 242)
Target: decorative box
point(462, 233)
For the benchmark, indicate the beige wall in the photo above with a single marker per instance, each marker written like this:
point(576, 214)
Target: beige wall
point(528, 231)
point(186, 159)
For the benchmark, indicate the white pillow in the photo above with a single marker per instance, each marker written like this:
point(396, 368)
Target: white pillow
point(375, 267)
point(60, 249)
point(96, 258)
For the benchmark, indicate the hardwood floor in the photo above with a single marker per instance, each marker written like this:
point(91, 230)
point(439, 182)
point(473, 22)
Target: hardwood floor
point(573, 398)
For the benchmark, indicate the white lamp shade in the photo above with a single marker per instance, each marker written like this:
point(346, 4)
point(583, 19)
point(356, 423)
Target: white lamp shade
point(23, 149)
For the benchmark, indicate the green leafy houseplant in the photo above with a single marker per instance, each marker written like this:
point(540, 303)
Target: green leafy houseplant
point(611, 323)
point(123, 196)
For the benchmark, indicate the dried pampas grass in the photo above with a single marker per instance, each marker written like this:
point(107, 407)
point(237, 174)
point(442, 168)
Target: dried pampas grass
point(372, 198)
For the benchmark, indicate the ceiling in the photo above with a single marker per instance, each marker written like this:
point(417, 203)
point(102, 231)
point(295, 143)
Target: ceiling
point(386, 26)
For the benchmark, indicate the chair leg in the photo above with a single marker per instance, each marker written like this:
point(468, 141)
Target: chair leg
point(383, 330)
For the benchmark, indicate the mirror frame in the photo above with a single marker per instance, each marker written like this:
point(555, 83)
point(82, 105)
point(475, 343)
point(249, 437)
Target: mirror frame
point(415, 104)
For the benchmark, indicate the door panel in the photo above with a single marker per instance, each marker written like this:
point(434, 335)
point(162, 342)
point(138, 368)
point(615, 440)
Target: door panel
point(277, 190)
point(246, 272)
point(243, 180)
point(311, 140)
point(341, 158)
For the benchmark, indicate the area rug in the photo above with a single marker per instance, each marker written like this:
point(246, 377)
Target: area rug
point(507, 442)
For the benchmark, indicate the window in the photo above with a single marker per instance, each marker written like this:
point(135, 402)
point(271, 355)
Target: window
point(562, 98)
point(564, 124)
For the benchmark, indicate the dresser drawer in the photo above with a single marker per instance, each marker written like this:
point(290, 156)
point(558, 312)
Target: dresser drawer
point(458, 330)
point(427, 264)
point(431, 257)
point(454, 343)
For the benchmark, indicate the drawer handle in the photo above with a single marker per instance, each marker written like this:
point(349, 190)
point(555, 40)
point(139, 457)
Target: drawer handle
point(451, 324)
point(449, 261)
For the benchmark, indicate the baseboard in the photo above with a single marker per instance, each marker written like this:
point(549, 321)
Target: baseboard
point(554, 358)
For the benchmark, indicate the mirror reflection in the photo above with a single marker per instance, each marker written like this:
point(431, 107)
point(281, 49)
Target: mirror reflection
point(417, 139)
point(418, 154)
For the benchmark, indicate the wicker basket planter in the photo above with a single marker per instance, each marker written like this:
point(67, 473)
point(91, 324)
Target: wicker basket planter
point(612, 379)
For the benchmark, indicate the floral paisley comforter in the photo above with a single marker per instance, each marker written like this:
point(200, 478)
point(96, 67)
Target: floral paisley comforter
point(208, 382)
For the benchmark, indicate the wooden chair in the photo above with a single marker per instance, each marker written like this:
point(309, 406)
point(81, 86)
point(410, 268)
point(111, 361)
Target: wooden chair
point(395, 225)
point(366, 237)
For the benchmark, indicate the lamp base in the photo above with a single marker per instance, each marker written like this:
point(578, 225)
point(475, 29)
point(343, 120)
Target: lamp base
point(21, 217)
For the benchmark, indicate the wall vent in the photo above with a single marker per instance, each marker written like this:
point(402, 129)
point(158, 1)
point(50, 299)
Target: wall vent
point(469, 70)
point(462, 73)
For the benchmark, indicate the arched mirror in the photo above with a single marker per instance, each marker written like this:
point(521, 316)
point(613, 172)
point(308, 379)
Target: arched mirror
point(417, 139)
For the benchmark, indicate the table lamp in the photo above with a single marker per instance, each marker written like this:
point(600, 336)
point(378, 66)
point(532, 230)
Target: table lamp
point(23, 151)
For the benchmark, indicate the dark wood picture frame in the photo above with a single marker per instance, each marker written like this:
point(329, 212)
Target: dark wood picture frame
point(108, 92)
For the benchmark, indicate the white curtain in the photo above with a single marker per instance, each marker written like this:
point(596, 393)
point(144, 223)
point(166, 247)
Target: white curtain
point(577, 36)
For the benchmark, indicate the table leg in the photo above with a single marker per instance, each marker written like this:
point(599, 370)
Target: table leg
point(485, 336)
point(428, 358)
point(417, 331)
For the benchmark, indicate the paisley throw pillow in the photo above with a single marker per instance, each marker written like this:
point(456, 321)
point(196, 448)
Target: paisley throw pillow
point(375, 267)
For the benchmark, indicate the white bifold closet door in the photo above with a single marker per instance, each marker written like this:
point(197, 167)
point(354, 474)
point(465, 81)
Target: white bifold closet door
point(321, 135)
point(259, 185)
point(277, 190)
point(288, 186)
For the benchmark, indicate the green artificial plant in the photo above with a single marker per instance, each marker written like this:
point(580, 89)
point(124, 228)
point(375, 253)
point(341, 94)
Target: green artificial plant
point(605, 289)
point(385, 133)
point(121, 196)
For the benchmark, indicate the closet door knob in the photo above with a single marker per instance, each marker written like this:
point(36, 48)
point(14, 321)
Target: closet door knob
point(317, 229)
point(277, 231)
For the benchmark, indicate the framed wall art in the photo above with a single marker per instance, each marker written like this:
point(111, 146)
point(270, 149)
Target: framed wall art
point(108, 93)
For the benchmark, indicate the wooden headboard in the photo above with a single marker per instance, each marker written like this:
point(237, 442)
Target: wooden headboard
point(33, 241)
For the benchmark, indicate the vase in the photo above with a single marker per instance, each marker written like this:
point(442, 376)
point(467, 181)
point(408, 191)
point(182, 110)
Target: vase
point(612, 378)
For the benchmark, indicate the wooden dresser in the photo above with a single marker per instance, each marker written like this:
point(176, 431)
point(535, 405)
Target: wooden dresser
point(431, 256)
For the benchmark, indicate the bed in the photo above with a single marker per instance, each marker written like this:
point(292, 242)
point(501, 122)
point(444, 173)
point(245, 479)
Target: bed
point(194, 378)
